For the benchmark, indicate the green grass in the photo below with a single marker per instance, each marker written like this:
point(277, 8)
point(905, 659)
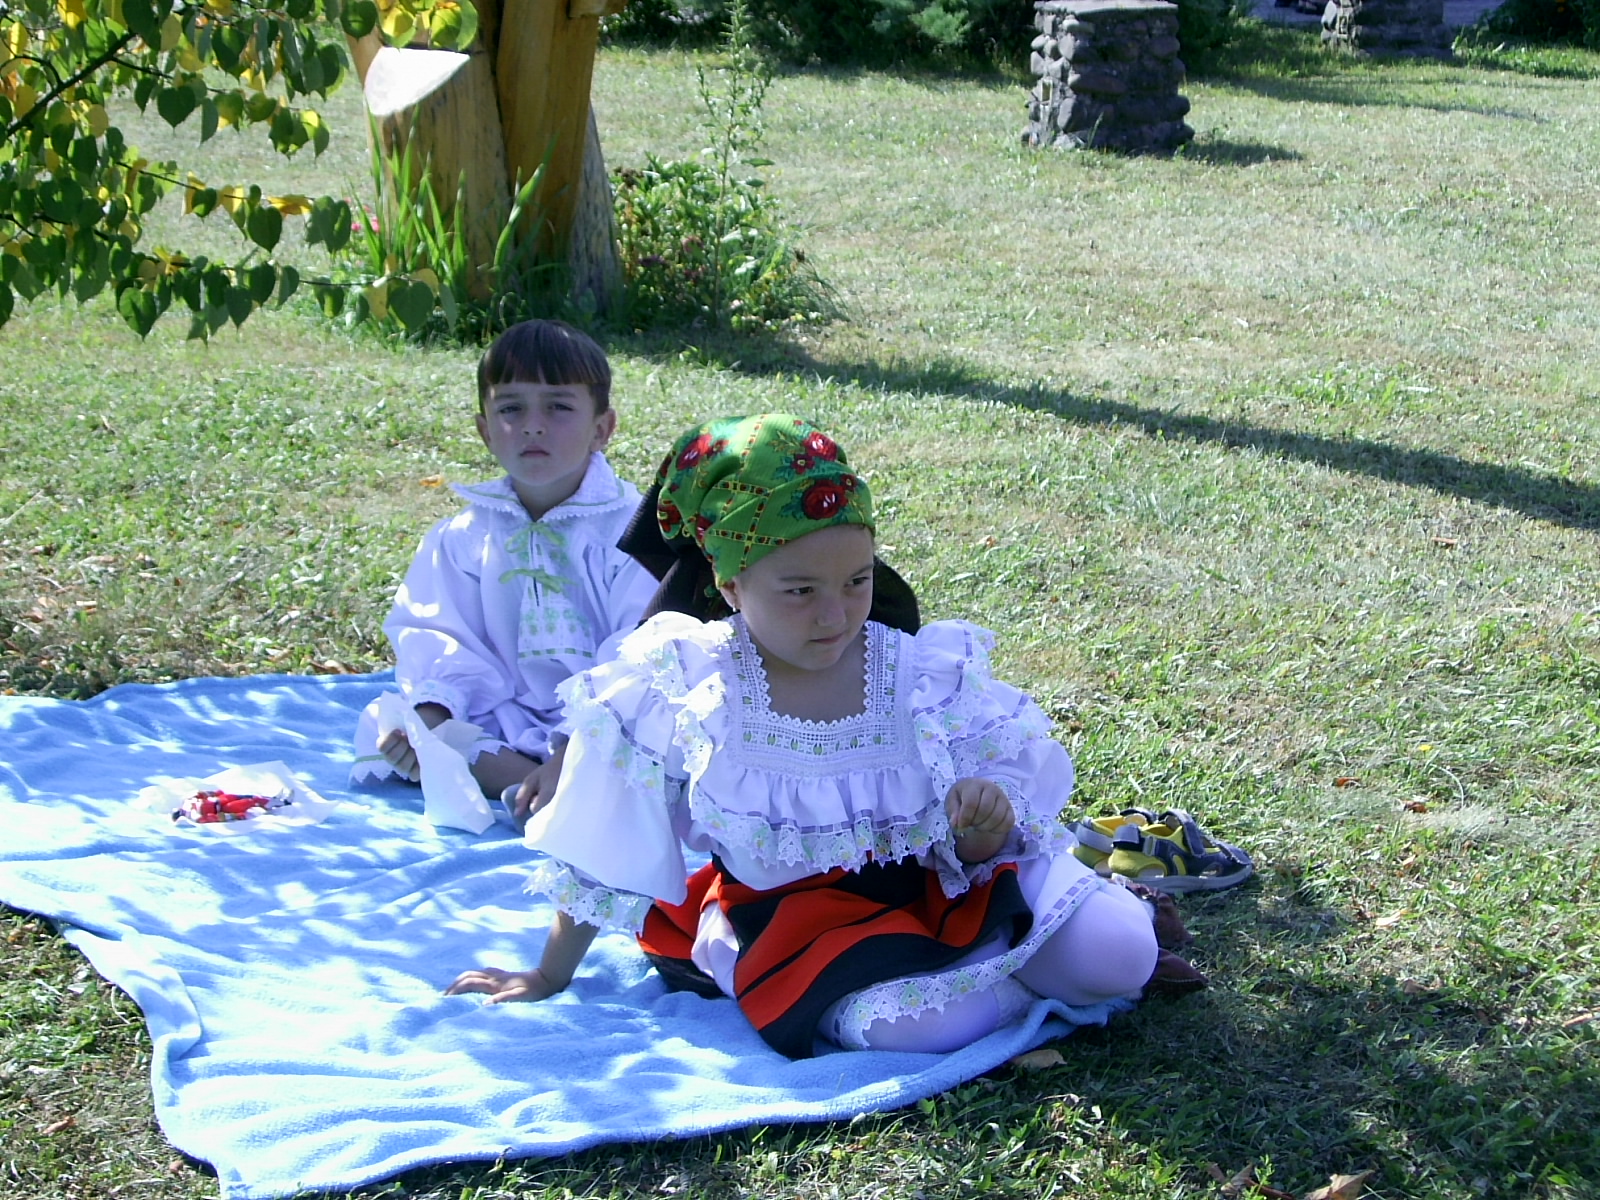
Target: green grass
point(1274, 465)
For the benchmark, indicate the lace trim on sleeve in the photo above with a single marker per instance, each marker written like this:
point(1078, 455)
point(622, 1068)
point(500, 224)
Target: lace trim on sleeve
point(586, 901)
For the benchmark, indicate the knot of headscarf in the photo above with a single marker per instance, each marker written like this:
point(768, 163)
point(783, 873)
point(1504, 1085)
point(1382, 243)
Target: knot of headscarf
point(741, 487)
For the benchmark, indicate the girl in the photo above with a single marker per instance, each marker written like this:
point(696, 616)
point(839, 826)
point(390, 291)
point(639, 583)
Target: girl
point(887, 870)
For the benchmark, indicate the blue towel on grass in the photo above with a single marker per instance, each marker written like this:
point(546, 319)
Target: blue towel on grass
point(291, 977)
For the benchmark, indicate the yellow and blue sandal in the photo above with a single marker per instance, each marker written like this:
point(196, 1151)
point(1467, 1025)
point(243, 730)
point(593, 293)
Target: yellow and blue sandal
point(1169, 852)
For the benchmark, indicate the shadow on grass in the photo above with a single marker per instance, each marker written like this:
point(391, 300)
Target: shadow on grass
point(1535, 494)
point(1220, 152)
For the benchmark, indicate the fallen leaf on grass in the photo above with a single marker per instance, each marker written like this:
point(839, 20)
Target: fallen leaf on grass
point(431, 480)
point(1447, 542)
point(1412, 987)
point(1390, 921)
point(57, 1126)
point(1038, 1060)
point(1415, 806)
point(1580, 1019)
point(1340, 1187)
point(1344, 781)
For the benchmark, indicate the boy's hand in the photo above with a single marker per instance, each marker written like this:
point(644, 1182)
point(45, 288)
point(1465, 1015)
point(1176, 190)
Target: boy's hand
point(503, 986)
point(981, 818)
point(397, 748)
point(538, 787)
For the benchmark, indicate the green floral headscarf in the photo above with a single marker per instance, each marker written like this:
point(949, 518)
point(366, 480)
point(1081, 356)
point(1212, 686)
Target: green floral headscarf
point(741, 487)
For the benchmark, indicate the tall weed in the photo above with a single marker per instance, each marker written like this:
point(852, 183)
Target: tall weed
point(702, 242)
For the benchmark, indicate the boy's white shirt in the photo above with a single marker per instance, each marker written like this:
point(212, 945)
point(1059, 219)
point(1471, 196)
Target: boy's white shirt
point(497, 610)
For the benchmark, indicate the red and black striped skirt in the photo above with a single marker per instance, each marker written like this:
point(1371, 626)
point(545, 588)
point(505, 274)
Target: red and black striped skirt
point(809, 943)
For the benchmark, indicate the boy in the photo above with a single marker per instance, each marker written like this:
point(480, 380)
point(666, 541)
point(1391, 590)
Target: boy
point(519, 590)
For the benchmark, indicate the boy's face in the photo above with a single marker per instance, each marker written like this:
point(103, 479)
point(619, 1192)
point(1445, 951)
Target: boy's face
point(542, 435)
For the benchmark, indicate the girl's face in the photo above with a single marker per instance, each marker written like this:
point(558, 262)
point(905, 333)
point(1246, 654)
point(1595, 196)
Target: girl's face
point(806, 602)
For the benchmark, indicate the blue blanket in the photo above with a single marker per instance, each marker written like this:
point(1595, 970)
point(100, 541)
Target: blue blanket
point(291, 977)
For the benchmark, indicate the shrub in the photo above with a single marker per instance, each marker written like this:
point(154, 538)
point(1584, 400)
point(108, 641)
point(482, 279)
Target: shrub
point(1576, 22)
point(702, 242)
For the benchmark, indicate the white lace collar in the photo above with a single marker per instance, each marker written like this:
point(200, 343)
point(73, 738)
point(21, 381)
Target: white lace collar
point(601, 491)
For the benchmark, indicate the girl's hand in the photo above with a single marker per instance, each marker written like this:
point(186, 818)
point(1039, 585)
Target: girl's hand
point(981, 818)
point(538, 787)
point(503, 986)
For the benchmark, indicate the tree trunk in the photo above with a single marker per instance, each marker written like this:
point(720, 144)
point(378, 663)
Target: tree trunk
point(596, 268)
point(442, 104)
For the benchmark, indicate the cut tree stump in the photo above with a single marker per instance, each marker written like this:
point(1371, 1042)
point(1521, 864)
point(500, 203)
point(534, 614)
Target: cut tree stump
point(518, 98)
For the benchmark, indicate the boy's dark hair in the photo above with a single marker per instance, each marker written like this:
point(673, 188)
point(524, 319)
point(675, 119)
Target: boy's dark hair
point(545, 352)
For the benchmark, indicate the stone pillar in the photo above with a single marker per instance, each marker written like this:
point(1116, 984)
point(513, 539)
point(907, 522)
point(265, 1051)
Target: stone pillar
point(1406, 28)
point(1108, 75)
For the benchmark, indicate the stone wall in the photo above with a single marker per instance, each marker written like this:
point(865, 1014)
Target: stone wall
point(1413, 28)
point(1108, 74)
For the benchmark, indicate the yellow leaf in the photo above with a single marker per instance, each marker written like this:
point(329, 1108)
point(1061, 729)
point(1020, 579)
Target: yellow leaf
point(426, 275)
point(113, 11)
point(17, 39)
point(223, 8)
point(398, 25)
point(188, 59)
point(310, 120)
point(378, 299)
point(97, 120)
point(171, 33)
point(26, 97)
point(432, 481)
point(52, 161)
point(290, 206)
point(232, 199)
point(149, 269)
point(129, 229)
point(1038, 1060)
point(1340, 1187)
point(72, 12)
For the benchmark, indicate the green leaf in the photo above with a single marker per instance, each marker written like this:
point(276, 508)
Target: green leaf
point(216, 287)
point(227, 45)
point(142, 20)
point(138, 309)
point(260, 107)
point(208, 119)
point(359, 18)
point(6, 304)
point(259, 281)
point(23, 278)
point(175, 105)
point(230, 107)
point(331, 298)
point(190, 287)
point(301, 9)
point(87, 284)
point(144, 88)
point(412, 302)
point(205, 202)
point(216, 316)
point(332, 58)
point(240, 306)
point(288, 281)
point(264, 226)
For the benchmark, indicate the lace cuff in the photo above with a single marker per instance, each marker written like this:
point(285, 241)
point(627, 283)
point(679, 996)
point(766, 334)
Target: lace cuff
point(586, 901)
point(435, 691)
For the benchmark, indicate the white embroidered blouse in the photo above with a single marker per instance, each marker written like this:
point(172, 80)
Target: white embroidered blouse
point(497, 610)
point(674, 746)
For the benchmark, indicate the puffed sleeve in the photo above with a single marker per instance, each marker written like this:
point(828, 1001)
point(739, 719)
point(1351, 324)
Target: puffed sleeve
point(438, 629)
point(969, 724)
point(613, 831)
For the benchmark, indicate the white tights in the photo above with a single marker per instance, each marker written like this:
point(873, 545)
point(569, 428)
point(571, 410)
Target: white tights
point(1104, 950)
